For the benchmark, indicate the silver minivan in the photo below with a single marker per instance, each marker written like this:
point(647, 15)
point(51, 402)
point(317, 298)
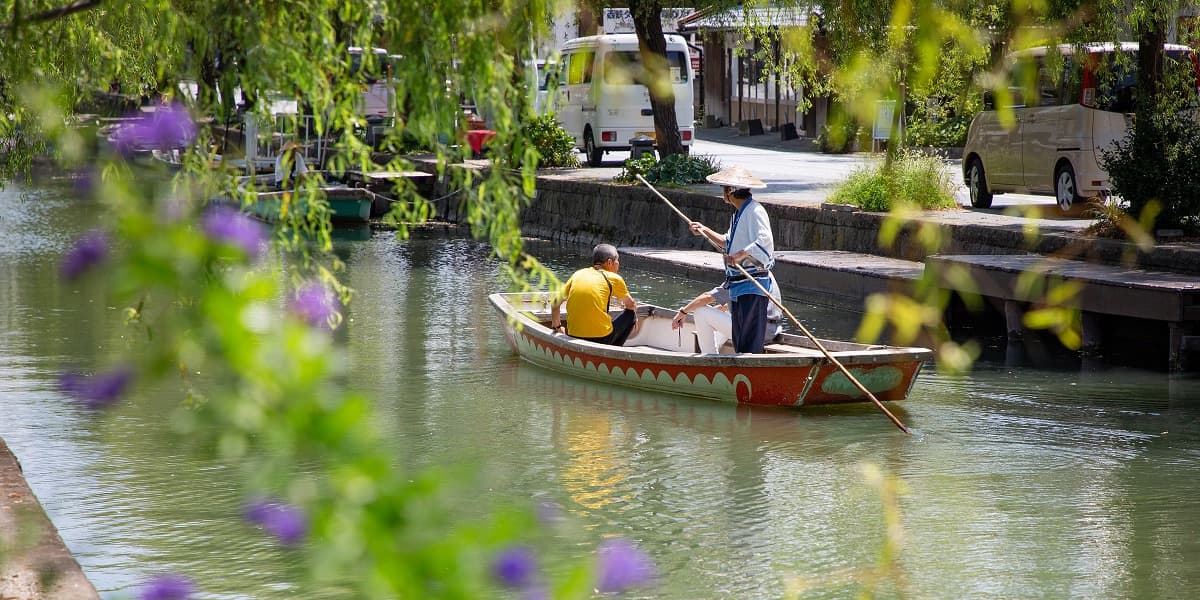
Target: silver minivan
point(1080, 106)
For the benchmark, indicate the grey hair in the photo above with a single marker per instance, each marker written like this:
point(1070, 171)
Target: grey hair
point(602, 253)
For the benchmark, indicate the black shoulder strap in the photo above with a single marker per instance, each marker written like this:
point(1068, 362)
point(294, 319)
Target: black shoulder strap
point(606, 280)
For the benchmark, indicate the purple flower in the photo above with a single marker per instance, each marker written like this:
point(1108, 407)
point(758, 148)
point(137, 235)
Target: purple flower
point(96, 391)
point(622, 566)
point(84, 182)
point(89, 250)
point(315, 303)
point(168, 586)
point(230, 226)
point(515, 567)
point(167, 127)
point(280, 519)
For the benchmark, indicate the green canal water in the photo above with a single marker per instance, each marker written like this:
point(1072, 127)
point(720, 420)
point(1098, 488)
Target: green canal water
point(1020, 482)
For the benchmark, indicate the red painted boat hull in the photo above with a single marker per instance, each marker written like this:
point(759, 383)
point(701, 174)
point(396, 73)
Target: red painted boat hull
point(752, 379)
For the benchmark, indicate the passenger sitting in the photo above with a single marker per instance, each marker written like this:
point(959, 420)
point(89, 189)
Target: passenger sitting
point(588, 293)
point(289, 165)
point(714, 324)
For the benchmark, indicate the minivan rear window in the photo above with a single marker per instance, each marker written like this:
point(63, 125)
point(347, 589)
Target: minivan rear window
point(625, 67)
point(1116, 80)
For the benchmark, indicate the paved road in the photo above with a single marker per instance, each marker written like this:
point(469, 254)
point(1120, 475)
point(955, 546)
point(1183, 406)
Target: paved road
point(796, 172)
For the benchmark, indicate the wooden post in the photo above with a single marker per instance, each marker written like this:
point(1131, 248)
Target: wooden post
point(1014, 314)
point(1092, 337)
point(1174, 346)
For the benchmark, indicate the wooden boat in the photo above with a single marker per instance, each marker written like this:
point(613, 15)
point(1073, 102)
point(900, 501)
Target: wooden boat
point(172, 161)
point(346, 204)
point(793, 372)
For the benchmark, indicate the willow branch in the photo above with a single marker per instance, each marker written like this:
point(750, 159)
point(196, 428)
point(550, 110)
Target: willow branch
point(53, 13)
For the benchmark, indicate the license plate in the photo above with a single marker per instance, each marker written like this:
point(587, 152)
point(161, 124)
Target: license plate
point(649, 134)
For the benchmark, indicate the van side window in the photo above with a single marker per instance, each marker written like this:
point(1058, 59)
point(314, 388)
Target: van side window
point(1072, 84)
point(579, 69)
point(1050, 90)
point(1023, 82)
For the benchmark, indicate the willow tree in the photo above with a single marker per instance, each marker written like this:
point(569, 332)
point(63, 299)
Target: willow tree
point(201, 292)
point(652, 42)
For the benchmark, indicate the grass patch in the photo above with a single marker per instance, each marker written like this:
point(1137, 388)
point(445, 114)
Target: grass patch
point(914, 179)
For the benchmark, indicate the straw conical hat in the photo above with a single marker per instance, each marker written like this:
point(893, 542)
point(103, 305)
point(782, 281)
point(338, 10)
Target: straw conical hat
point(736, 177)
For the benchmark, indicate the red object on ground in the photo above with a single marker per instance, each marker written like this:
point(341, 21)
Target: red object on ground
point(478, 138)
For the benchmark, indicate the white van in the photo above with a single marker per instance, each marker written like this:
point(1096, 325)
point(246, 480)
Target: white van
point(1080, 107)
point(602, 100)
point(377, 93)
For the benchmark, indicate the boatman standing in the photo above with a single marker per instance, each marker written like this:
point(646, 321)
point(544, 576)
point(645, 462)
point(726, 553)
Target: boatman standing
point(588, 293)
point(748, 243)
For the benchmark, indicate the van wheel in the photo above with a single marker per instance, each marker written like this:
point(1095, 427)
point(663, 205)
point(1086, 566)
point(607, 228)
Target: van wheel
point(595, 155)
point(1065, 187)
point(977, 185)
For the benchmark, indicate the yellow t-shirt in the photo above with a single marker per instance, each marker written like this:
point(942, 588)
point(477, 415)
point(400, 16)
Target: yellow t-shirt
point(587, 295)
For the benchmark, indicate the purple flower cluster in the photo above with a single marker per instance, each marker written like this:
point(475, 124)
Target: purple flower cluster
point(622, 566)
point(230, 226)
point(167, 127)
point(315, 304)
point(96, 391)
point(168, 586)
point(88, 251)
point(517, 568)
point(84, 182)
point(283, 521)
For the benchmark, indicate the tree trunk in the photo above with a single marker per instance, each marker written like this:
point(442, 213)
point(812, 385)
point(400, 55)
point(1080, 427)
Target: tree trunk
point(1151, 64)
point(653, 46)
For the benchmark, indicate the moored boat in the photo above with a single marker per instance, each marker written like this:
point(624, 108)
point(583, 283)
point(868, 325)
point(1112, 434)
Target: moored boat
point(346, 204)
point(792, 372)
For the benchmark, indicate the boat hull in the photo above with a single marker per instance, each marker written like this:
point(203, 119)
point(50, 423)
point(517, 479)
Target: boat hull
point(776, 379)
point(346, 205)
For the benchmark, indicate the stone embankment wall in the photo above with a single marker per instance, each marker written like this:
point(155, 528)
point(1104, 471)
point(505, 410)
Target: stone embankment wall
point(34, 562)
point(589, 212)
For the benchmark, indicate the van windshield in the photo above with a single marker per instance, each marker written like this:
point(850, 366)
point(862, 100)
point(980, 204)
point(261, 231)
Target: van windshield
point(625, 67)
point(377, 66)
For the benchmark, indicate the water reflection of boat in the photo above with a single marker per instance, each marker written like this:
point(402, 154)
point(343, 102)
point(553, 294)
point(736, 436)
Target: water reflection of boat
point(346, 204)
point(558, 387)
point(792, 372)
point(352, 232)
